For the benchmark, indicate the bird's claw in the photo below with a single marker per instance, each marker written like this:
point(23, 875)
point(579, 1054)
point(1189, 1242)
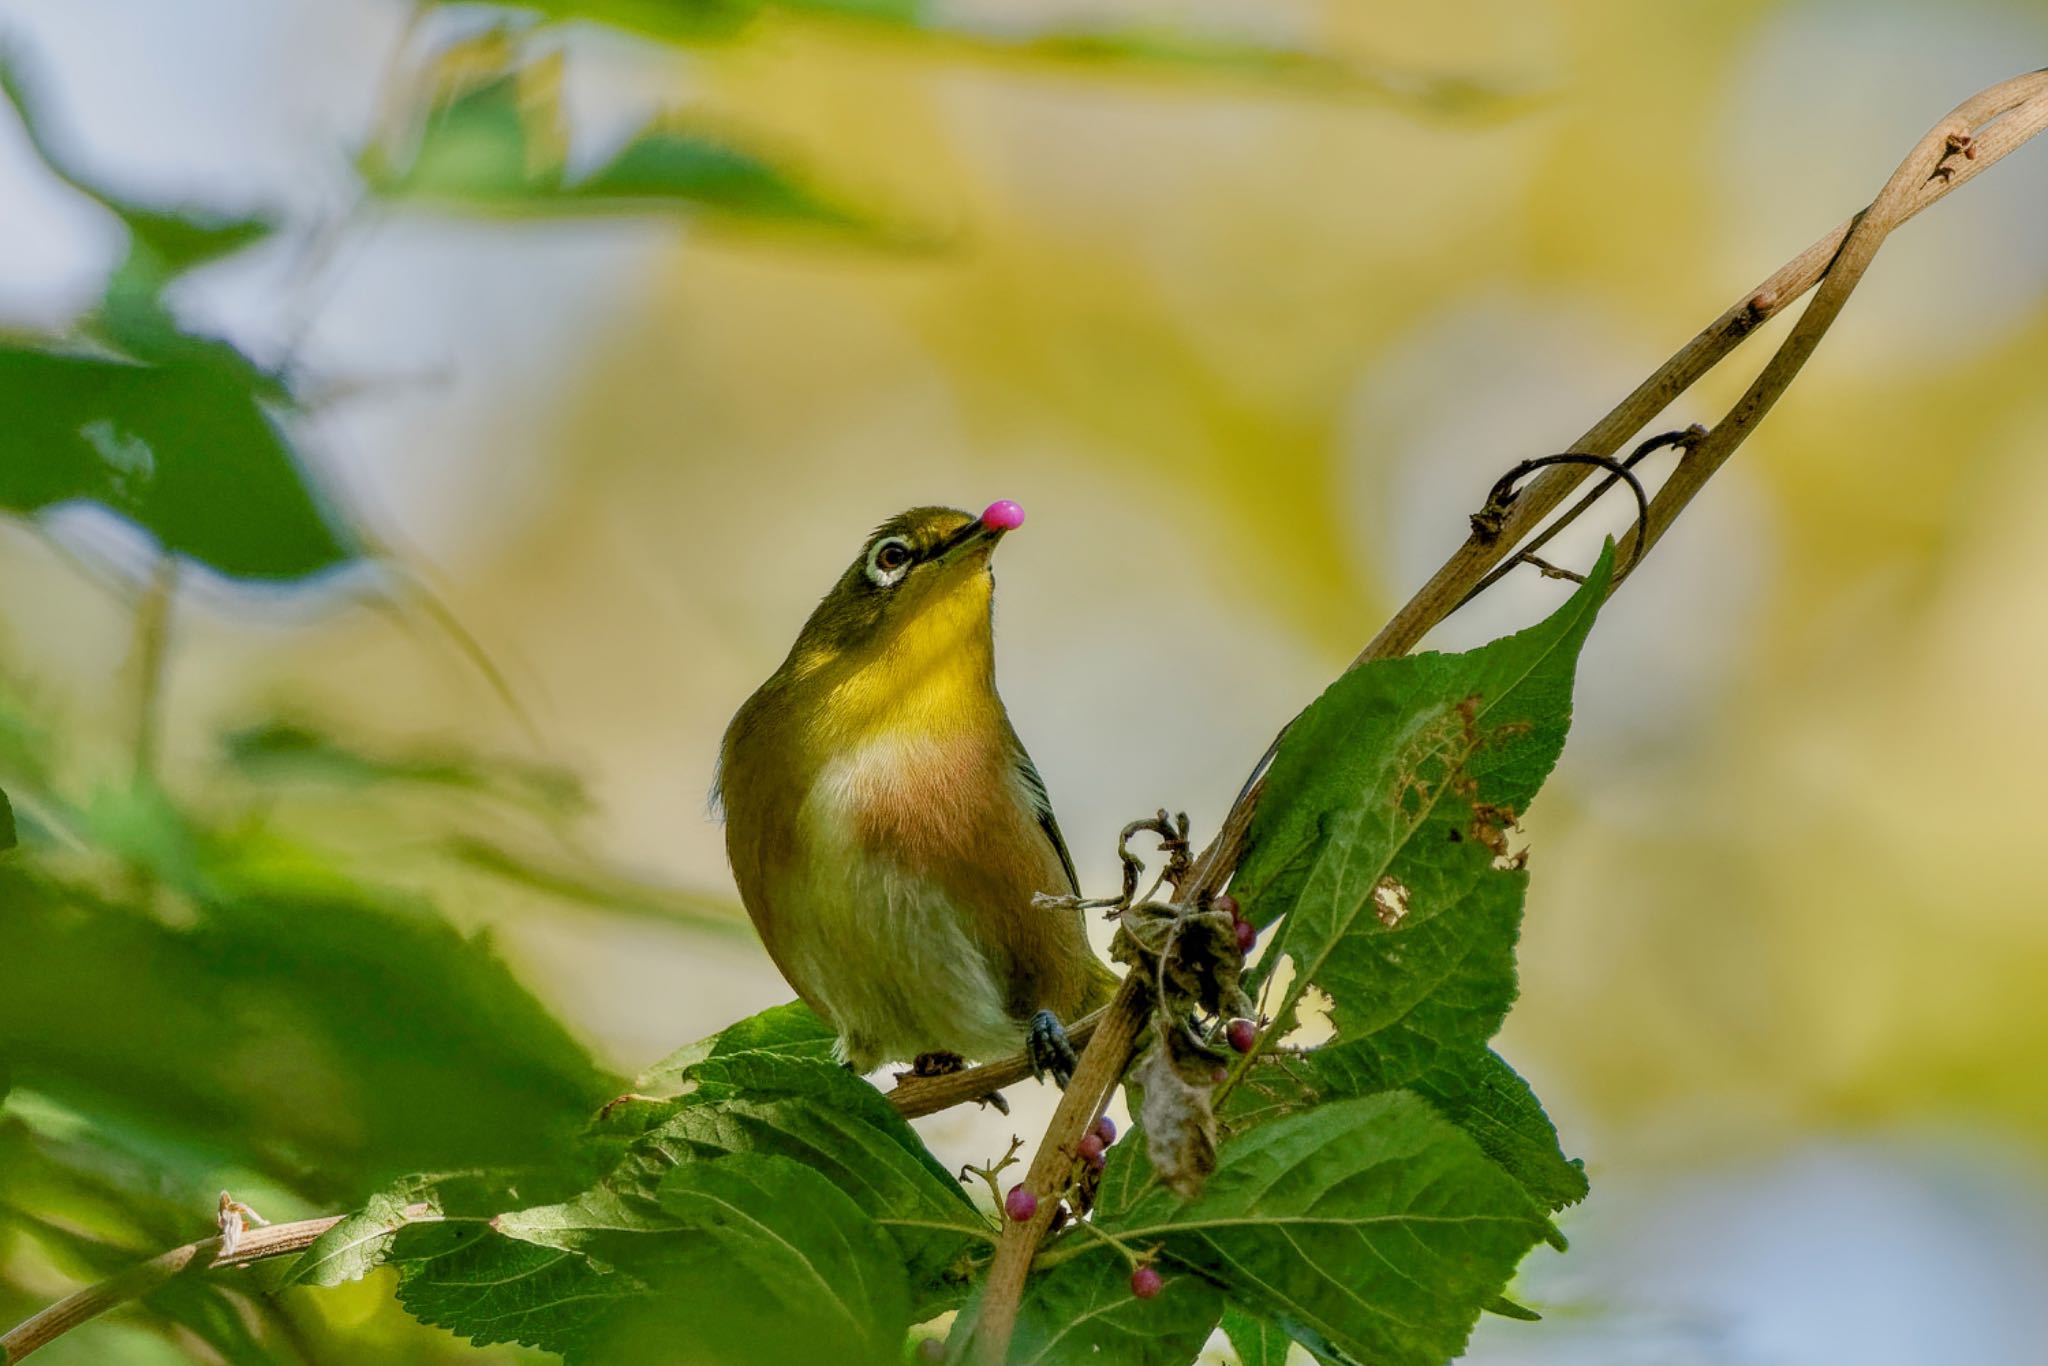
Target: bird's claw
point(1046, 1043)
point(996, 1099)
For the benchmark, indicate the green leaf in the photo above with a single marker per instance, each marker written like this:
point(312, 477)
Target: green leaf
point(280, 751)
point(1487, 1099)
point(1256, 1341)
point(680, 21)
point(1382, 848)
point(1382, 835)
point(169, 241)
point(496, 145)
point(1373, 1225)
point(789, 1031)
point(361, 1241)
point(768, 1262)
point(8, 836)
point(749, 1257)
point(305, 1026)
point(462, 1276)
point(1124, 49)
point(662, 164)
point(185, 449)
point(1479, 1093)
point(356, 1246)
point(1083, 1310)
point(814, 1113)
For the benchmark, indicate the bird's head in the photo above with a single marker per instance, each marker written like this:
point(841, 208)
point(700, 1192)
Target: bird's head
point(914, 601)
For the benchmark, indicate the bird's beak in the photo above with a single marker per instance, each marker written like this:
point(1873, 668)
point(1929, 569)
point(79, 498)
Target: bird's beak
point(975, 535)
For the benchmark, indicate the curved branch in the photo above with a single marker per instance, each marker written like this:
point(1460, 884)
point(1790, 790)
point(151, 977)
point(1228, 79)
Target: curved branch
point(278, 1240)
point(1979, 132)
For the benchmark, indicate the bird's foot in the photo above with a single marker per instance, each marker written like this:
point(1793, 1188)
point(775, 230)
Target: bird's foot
point(1046, 1043)
point(995, 1099)
point(937, 1064)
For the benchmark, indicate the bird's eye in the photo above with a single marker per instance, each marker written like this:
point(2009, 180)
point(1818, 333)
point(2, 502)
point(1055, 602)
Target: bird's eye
point(888, 561)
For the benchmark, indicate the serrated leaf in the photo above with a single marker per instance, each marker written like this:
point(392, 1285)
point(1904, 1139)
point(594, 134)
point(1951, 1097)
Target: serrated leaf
point(356, 1246)
point(1382, 848)
point(1489, 1100)
point(1373, 1224)
point(1479, 1093)
point(1256, 1341)
point(765, 1260)
point(462, 1276)
point(185, 449)
point(1382, 835)
point(1083, 1311)
point(361, 1241)
point(787, 1031)
point(817, 1114)
point(332, 1034)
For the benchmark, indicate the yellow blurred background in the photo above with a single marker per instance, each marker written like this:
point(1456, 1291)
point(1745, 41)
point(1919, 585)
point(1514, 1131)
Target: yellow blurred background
point(1247, 346)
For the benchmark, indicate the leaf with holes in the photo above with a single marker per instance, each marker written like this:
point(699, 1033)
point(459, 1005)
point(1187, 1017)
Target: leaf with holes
point(1382, 848)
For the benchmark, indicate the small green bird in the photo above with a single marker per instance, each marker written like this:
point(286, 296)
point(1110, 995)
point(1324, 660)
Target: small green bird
point(887, 829)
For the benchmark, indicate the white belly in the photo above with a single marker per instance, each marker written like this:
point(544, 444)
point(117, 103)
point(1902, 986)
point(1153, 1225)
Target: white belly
point(883, 952)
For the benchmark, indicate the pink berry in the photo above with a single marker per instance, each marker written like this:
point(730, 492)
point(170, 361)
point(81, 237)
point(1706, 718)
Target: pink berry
point(1002, 515)
point(1020, 1204)
point(1218, 1074)
point(1090, 1149)
point(1247, 936)
point(1107, 1128)
point(1242, 1035)
point(1227, 903)
point(931, 1349)
point(1145, 1283)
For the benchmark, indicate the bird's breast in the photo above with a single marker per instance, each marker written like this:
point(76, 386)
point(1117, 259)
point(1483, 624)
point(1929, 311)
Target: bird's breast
point(883, 931)
point(915, 799)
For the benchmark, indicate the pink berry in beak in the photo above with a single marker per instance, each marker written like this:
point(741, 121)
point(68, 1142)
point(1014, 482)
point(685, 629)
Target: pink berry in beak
point(1002, 515)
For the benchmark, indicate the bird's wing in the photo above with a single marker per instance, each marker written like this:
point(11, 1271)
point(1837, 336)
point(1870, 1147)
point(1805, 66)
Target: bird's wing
point(1041, 807)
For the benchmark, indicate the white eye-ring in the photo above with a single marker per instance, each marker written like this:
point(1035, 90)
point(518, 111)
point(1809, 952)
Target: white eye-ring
point(888, 561)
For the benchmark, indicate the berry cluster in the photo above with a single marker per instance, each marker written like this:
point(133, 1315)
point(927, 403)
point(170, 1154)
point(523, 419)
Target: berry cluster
point(1247, 933)
point(1242, 1034)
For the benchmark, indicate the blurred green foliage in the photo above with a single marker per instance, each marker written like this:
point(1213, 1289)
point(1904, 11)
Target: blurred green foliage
point(496, 144)
point(207, 994)
point(201, 994)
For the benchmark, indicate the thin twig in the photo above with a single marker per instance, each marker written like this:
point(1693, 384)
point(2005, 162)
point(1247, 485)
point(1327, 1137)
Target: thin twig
point(279, 1240)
